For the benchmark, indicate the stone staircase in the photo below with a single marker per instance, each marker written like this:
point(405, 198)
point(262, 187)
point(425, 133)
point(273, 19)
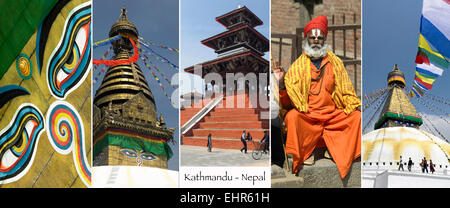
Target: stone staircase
point(226, 124)
point(323, 174)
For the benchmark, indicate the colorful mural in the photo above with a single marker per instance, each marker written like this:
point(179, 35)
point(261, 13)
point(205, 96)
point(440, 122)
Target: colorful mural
point(45, 94)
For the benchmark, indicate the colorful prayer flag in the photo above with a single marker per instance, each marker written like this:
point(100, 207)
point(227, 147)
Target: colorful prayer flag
point(434, 45)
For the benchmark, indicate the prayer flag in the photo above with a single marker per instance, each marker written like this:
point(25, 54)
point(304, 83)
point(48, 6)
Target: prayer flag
point(434, 45)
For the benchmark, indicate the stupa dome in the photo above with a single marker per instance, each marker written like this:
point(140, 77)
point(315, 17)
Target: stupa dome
point(383, 147)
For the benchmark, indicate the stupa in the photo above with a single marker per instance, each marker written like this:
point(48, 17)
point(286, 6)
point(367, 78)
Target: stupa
point(127, 129)
point(396, 135)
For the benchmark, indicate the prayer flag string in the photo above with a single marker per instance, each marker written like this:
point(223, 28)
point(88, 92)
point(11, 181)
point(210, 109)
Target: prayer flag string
point(157, 56)
point(159, 46)
point(106, 41)
point(150, 67)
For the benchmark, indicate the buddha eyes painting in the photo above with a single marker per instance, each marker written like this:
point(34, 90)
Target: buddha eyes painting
point(45, 90)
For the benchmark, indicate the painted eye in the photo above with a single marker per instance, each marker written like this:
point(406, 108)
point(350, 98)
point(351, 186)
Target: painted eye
point(71, 59)
point(147, 156)
point(18, 142)
point(128, 152)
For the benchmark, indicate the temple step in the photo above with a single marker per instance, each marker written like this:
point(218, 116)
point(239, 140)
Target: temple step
point(229, 133)
point(222, 143)
point(236, 117)
point(226, 124)
point(234, 124)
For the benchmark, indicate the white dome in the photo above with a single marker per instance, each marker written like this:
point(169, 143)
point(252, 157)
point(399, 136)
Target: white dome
point(386, 145)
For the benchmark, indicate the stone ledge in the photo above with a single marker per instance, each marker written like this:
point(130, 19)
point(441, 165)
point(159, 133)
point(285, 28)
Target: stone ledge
point(323, 174)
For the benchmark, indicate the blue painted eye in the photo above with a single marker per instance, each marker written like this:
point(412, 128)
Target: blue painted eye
point(18, 142)
point(147, 156)
point(128, 152)
point(70, 61)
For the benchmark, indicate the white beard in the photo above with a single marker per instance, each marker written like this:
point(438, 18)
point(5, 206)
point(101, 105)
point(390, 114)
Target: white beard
point(314, 52)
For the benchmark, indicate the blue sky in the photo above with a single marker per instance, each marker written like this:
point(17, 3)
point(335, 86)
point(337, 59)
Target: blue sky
point(391, 36)
point(157, 22)
point(197, 23)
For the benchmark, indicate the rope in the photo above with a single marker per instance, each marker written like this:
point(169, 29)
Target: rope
point(377, 107)
point(159, 83)
point(157, 56)
point(160, 46)
point(423, 116)
point(156, 68)
point(431, 109)
point(373, 97)
point(103, 69)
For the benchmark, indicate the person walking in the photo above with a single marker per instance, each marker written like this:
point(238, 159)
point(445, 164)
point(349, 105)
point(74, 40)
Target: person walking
point(209, 144)
point(421, 165)
point(431, 167)
point(265, 141)
point(425, 165)
point(249, 137)
point(410, 163)
point(243, 138)
point(401, 164)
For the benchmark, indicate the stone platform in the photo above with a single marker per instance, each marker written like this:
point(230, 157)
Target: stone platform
point(323, 174)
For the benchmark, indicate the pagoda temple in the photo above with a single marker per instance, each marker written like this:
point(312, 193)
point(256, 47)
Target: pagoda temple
point(397, 138)
point(127, 129)
point(229, 107)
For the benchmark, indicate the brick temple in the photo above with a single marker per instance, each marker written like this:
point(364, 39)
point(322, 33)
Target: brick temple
point(237, 103)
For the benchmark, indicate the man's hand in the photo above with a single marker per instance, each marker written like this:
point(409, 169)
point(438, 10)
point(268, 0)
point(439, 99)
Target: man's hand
point(278, 72)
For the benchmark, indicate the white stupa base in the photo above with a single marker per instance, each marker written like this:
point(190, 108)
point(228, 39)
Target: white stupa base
point(133, 177)
point(403, 179)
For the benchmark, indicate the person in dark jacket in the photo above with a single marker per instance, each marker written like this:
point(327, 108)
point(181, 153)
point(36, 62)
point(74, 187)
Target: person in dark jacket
point(209, 144)
point(265, 140)
point(410, 163)
point(425, 165)
point(244, 142)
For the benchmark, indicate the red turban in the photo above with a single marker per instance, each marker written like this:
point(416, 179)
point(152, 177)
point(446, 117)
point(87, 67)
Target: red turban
point(320, 22)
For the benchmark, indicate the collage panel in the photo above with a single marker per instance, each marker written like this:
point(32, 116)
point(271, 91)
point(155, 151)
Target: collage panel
point(45, 100)
point(316, 85)
point(405, 119)
point(224, 94)
point(187, 94)
point(135, 97)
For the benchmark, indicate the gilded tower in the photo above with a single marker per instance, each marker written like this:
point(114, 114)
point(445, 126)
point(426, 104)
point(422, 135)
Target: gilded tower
point(398, 109)
point(127, 129)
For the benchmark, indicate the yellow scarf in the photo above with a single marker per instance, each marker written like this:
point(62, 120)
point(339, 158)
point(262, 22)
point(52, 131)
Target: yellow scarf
point(298, 82)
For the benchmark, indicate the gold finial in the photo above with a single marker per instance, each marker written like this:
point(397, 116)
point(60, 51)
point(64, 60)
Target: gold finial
point(161, 119)
point(123, 15)
point(395, 67)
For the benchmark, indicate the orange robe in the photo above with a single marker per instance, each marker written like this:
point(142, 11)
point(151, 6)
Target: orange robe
point(323, 124)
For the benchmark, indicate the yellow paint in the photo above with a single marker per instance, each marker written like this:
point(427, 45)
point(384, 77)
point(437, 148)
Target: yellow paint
point(24, 66)
point(22, 144)
point(74, 62)
point(399, 144)
point(49, 168)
